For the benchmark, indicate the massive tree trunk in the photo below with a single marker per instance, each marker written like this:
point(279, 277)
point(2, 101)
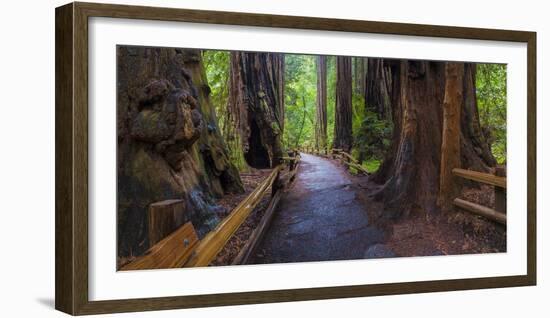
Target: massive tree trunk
point(450, 143)
point(257, 102)
point(343, 138)
point(321, 114)
point(169, 145)
point(413, 181)
point(410, 171)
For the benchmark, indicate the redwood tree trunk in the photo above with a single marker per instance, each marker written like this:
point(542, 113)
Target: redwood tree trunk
point(393, 70)
point(359, 73)
point(410, 170)
point(168, 143)
point(413, 181)
point(257, 102)
point(450, 144)
point(343, 138)
point(321, 115)
point(475, 151)
point(378, 86)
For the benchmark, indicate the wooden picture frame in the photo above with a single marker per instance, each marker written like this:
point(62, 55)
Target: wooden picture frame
point(71, 89)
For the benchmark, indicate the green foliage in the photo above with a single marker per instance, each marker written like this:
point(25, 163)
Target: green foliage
point(372, 165)
point(373, 137)
point(300, 100)
point(216, 65)
point(491, 101)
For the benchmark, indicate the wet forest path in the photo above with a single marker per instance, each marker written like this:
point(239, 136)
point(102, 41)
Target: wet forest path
point(319, 218)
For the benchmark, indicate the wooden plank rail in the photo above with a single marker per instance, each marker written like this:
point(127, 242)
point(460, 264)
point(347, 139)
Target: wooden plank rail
point(356, 166)
point(481, 177)
point(250, 247)
point(351, 162)
point(498, 181)
point(481, 210)
point(171, 252)
point(347, 155)
point(214, 241)
point(182, 248)
point(294, 169)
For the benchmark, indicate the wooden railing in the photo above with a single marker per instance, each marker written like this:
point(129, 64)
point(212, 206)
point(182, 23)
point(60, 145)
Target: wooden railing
point(182, 248)
point(214, 241)
point(250, 246)
point(498, 181)
point(340, 155)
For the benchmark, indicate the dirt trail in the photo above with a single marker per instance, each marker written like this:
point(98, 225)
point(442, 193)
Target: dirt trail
point(320, 218)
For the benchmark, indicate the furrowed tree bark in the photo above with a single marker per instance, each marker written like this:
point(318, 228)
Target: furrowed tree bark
point(393, 70)
point(343, 138)
point(449, 187)
point(321, 114)
point(475, 151)
point(411, 168)
point(168, 143)
point(257, 102)
point(378, 85)
point(359, 75)
point(413, 181)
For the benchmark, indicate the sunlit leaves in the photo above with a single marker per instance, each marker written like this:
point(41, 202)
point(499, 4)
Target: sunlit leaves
point(300, 100)
point(491, 101)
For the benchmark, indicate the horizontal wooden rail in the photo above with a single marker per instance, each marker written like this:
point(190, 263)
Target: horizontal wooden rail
point(351, 162)
point(214, 241)
point(356, 166)
point(347, 155)
point(480, 210)
point(171, 252)
point(250, 247)
point(481, 177)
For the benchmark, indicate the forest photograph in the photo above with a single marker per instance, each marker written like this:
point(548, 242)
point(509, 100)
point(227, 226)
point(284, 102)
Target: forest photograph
point(237, 157)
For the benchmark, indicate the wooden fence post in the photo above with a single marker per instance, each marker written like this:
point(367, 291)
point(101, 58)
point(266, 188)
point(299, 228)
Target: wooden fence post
point(164, 218)
point(500, 193)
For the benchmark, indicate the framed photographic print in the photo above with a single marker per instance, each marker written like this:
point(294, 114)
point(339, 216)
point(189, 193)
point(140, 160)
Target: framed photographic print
point(211, 158)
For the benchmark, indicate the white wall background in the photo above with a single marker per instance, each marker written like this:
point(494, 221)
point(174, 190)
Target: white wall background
point(27, 158)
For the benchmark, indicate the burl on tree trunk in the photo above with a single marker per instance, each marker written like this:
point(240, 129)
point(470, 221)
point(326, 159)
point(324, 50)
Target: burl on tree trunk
point(256, 99)
point(411, 168)
point(169, 146)
point(343, 138)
